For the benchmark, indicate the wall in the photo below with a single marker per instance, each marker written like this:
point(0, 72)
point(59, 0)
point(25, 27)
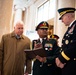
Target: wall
point(5, 16)
point(60, 27)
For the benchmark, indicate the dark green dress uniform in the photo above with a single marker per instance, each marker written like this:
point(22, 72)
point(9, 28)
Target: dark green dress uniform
point(49, 67)
point(68, 54)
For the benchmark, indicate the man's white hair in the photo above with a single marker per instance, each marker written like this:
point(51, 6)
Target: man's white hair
point(18, 22)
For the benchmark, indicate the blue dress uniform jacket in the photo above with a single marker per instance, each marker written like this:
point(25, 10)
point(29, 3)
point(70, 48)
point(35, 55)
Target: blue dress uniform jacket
point(48, 68)
point(68, 54)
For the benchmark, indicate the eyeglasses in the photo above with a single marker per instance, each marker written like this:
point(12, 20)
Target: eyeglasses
point(43, 28)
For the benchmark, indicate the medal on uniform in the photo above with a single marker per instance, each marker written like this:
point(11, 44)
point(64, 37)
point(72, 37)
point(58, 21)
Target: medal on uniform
point(48, 46)
point(66, 42)
point(71, 30)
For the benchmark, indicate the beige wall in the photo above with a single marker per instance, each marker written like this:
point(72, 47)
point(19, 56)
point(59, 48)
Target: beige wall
point(5, 16)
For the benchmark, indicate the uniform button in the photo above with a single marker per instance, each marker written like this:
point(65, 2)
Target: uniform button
point(49, 64)
point(71, 41)
point(74, 58)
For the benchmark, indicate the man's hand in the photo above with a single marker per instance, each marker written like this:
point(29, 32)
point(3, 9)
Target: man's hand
point(41, 59)
point(37, 45)
point(59, 63)
point(26, 74)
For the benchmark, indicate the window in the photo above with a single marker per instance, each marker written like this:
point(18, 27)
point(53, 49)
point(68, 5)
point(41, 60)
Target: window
point(46, 11)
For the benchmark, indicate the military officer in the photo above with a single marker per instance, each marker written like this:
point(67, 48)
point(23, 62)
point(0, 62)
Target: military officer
point(56, 37)
point(45, 65)
point(67, 58)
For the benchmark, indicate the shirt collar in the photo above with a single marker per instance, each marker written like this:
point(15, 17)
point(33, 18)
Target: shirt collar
point(71, 23)
point(41, 39)
point(13, 35)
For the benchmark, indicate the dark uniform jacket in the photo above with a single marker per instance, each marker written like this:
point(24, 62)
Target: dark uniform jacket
point(48, 68)
point(68, 54)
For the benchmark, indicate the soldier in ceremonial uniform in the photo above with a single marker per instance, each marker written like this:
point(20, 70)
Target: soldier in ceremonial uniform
point(56, 37)
point(45, 65)
point(67, 58)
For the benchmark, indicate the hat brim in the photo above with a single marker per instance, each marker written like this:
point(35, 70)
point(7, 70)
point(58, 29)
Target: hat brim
point(43, 27)
point(61, 16)
point(66, 13)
